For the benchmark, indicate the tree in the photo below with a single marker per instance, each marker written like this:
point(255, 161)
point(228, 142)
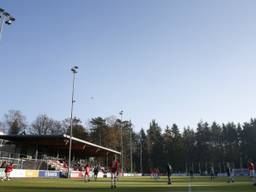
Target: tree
point(112, 136)
point(57, 128)
point(145, 154)
point(216, 144)
point(189, 146)
point(167, 144)
point(2, 127)
point(173, 148)
point(98, 130)
point(203, 144)
point(248, 141)
point(177, 148)
point(78, 130)
point(231, 141)
point(16, 122)
point(115, 137)
point(42, 125)
point(155, 146)
point(175, 131)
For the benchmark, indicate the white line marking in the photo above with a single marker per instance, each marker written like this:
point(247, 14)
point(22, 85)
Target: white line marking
point(189, 187)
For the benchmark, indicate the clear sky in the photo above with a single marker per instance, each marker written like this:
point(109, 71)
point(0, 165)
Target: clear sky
point(176, 61)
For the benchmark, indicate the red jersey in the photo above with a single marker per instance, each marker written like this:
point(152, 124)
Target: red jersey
point(87, 170)
point(250, 166)
point(8, 169)
point(114, 166)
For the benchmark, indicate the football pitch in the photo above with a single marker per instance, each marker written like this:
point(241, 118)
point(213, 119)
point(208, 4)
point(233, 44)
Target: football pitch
point(140, 184)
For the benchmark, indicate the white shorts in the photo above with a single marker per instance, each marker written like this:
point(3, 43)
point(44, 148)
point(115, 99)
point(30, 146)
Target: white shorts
point(252, 173)
point(7, 174)
point(114, 175)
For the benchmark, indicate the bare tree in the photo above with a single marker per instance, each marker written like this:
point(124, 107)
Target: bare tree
point(44, 125)
point(78, 129)
point(57, 128)
point(16, 122)
point(2, 127)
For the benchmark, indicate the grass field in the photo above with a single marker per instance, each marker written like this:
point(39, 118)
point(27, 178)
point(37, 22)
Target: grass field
point(132, 184)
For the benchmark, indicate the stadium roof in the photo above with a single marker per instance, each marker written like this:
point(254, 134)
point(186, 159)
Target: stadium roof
point(60, 142)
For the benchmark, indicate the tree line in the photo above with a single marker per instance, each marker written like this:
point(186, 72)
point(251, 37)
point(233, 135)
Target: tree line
point(196, 148)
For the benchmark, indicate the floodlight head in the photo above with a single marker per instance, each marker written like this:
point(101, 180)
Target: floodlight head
point(74, 69)
point(6, 14)
point(9, 19)
point(12, 18)
point(121, 112)
point(8, 22)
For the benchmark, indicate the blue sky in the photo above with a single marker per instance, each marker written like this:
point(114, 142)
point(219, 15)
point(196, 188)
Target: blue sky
point(176, 61)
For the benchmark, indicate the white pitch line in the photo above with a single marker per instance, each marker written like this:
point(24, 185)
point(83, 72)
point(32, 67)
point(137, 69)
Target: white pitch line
point(189, 187)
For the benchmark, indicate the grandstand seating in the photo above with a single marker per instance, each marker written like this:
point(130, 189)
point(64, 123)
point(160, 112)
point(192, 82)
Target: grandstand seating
point(58, 165)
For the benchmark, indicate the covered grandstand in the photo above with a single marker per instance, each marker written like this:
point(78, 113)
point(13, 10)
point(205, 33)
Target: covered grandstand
point(23, 149)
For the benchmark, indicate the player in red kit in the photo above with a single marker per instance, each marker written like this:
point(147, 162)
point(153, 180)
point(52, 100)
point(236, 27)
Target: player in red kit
point(7, 172)
point(251, 170)
point(114, 171)
point(87, 173)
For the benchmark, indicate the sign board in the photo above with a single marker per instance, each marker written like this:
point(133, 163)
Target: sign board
point(31, 173)
point(49, 174)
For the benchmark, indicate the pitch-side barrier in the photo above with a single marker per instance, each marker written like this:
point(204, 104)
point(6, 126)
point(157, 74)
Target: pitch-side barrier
point(24, 173)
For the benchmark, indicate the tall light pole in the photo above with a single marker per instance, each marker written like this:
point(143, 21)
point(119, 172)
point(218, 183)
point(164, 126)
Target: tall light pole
point(6, 18)
point(141, 168)
point(74, 71)
point(122, 151)
point(131, 148)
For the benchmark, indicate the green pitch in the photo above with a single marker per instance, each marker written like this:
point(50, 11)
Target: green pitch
point(133, 184)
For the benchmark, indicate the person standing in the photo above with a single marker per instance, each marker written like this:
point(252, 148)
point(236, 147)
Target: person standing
point(87, 173)
point(157, 174)
point(212, 173)
point(251, 169)
point(96, 171)
point(114, 171)
point(169, 173)
point(151, 173)
point(229, 173)
point(191, 173)
point(8, 171)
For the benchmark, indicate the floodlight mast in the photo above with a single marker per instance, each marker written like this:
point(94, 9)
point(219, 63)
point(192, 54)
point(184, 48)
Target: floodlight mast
point(122, 151)
point(131, 150)
point(74, 71)
point(6, 18)
point(141, 168)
